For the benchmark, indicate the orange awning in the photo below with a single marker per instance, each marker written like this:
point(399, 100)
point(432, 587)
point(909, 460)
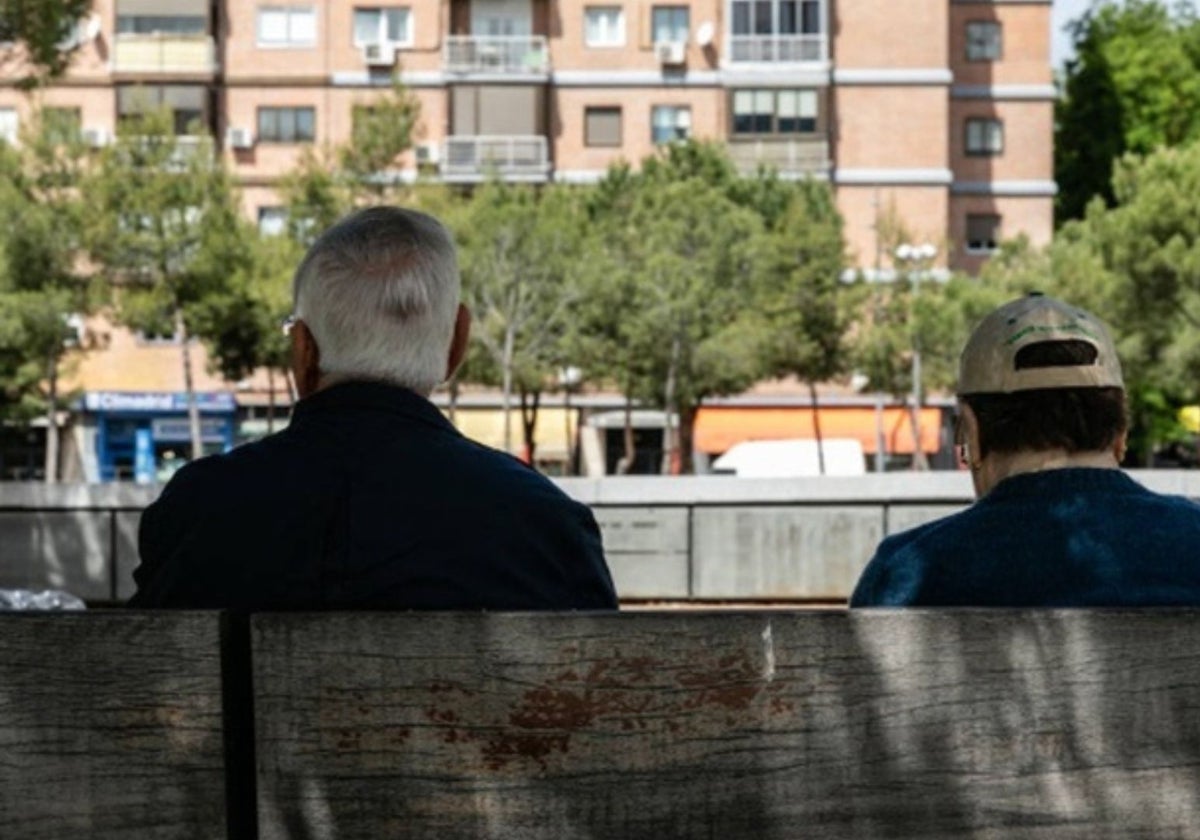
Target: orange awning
point(719, 427)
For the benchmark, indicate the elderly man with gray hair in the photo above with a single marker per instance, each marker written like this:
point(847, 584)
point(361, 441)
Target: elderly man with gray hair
point(370, 499)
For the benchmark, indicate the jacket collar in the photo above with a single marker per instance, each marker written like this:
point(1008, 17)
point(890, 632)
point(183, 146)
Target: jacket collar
point(1059, 481)
point(365, 395)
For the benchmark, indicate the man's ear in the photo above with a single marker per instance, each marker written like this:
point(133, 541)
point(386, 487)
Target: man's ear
point(306, 360)
point(458, 344)
point(970, 433)
point(1120, 445)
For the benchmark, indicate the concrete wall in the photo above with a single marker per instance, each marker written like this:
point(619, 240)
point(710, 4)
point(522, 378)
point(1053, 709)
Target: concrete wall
point(707, 538)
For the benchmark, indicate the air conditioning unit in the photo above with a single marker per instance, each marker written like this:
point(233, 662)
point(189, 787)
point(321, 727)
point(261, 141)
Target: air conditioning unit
point(379, 55)
point(239, 138)
point(428, 154)
point(670, 52)
point(97, 137)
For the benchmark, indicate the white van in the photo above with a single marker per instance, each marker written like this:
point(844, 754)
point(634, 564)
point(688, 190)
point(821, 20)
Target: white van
point(792, 458)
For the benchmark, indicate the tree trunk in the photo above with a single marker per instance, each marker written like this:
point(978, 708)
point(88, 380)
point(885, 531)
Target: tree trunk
point(51, 468)
point(270, 400)
point(189, 386)
point(670, 430)
point(625, 465)
point(507, 388)
point(687, 434)
point(529, 414)
point(816, 410)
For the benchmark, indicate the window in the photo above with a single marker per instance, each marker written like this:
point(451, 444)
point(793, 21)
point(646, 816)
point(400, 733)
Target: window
point(984, 40)
point(164, 24)
point(272, 221)
point(287, 26)
point(9, 125)
point(985, 136)
point(670, 122)
point(983, 233)
point(776, 17)
point(604, 26)
point(775, 112)
point(187, 104)
point(602, 127)
point(286, 125)
point(382, 26)
point(63, 126)
point(669, 24)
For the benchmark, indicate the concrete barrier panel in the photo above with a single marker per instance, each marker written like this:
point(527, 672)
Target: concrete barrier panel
point(127, 552)
point(66, 550)
point(647, 550)
point(777, 552)
point(902, 517)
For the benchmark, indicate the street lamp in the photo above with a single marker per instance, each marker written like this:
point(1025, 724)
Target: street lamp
point(918, 257)
point(569, 378)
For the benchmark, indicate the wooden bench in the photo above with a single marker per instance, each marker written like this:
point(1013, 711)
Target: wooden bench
point(776, 724)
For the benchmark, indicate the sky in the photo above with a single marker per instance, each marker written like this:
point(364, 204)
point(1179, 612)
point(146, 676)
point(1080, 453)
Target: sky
point(1062, 13)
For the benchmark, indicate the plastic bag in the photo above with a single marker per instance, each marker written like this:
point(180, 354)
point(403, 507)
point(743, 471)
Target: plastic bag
point(47, 599)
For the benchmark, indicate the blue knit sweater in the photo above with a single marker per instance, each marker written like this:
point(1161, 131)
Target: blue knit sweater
point(1059, 538)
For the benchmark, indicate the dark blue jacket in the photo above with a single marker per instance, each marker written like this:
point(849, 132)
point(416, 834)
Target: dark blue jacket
point(370, 499)
point(1058, 538)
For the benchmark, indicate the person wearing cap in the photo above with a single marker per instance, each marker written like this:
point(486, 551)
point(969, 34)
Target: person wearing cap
point(1042, 428)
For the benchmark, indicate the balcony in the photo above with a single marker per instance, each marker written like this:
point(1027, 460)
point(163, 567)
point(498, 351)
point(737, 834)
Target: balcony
point(166, 54)
point(511, 158)
point(777, 49)
point(516, 55)
point(791, 157)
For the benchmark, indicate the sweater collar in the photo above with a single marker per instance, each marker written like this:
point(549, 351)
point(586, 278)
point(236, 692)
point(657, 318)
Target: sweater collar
point(1067, 480)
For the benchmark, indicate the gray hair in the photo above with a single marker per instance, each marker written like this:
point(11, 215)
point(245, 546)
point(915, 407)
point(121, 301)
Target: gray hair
point(379, 291)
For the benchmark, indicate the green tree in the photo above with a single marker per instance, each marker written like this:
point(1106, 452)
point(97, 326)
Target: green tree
point(168, 231)
point(49, 32)
point(1134, 85)
point(380, 132)
point(803, 303)
point(519, 249)
point(41, 287)
point(241, 321)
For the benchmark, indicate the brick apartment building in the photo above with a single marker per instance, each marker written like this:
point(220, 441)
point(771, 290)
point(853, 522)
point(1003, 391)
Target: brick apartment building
point(938, 112)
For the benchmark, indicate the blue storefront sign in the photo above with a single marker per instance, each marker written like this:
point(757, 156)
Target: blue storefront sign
point(139, 432)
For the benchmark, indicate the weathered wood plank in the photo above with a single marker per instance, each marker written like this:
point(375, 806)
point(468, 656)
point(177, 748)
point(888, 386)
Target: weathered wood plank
point(747, 725)
point(111, 726)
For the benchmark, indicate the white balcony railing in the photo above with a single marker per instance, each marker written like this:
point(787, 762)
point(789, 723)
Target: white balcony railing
point(474, 158)
point(777, 48)
point(503, 54)
point(164, 53)
point(808, 156)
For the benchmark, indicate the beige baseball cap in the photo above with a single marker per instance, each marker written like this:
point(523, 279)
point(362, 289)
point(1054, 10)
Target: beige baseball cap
point(988, 362)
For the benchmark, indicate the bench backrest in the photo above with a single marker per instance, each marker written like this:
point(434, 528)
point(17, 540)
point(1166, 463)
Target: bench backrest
point(111, 726)
point(732, 725)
